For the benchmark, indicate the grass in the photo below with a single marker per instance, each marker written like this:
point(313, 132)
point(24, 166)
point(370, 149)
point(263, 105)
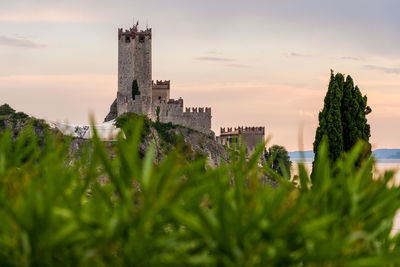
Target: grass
point(183, 213)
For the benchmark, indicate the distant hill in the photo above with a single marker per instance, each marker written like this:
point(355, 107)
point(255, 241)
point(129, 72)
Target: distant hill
point(378, 153)
point(395, 156)
point(301, 154)
point(386, 153)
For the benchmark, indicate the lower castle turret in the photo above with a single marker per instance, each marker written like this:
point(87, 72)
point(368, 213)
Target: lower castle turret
point(250, 136)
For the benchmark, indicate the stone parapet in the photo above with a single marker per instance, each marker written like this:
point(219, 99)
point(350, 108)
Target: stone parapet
point(176, 102)
point(161, 84)
point(198, 110)
point(132, 33)
point(242, 129)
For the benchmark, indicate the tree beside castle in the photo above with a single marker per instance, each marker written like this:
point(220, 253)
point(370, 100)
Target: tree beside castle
point(343, 119)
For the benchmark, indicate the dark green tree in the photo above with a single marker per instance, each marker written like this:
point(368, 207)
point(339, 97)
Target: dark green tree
point(348, 110)
point(135, 89)
point(5, 109)
point(280, 159)
point(330, 122)
point(343, 119)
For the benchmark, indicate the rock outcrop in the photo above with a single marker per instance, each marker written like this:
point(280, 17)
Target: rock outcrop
point(166, 136)
point(193, 143)
point(113, 112)
point(17, 121)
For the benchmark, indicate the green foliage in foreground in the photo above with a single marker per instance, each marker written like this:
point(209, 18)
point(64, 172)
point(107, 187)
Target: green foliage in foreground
point(125, 210)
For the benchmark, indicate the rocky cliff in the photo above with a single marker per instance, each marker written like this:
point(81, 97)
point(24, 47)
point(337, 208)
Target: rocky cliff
point(113, 112)
point(166, 136)
point(17, 121)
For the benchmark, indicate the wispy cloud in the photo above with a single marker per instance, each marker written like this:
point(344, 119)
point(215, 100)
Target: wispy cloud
point(350, 58)
point(295, 54)
point(215, 59)
point(19, 42)
point(214, 52)
point(387, 70)
point(44, 14)
point(215, 56)
point(236, 65)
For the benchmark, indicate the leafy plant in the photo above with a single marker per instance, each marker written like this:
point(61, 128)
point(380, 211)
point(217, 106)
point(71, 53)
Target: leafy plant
point(124, 210)
point(279, 160)
point(19, 116)
point(165, 132)
point(5, 109)
point(127, 120)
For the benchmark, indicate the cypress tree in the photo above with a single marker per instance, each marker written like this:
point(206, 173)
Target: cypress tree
point(135, 89)
point(330, 122)
point(363, 128)
point(349, 109)
point(343, 119)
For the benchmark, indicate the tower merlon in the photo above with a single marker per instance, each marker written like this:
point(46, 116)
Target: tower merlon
point(132, 33)
point(243, 129)
point(198, 110)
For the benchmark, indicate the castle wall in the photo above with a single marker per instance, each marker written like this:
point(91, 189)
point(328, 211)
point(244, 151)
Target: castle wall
point(198, 119)
point(252, 139)
point(125, 74)
point(172, 111)
point(161, 91)
point(250, 136)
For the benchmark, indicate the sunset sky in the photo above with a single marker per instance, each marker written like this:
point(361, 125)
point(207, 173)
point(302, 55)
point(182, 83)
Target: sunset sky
point(255, 63)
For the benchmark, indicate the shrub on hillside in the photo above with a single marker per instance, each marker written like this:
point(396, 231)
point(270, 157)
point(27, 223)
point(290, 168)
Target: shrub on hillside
point(5, 109)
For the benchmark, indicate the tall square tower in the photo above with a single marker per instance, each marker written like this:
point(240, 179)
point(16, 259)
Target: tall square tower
point(134, 71)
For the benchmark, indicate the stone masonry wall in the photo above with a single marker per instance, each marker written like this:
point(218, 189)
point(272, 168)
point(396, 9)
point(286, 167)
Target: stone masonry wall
point(194, 118)
point(252, 139)
point(251, 136)
point(134, 63)
point(125, 74)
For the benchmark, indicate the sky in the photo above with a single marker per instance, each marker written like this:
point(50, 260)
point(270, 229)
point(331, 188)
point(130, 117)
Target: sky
point(255, 63)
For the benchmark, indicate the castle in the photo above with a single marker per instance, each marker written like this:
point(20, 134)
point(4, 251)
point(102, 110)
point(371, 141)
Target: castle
point(250, 136)
point(138, 93)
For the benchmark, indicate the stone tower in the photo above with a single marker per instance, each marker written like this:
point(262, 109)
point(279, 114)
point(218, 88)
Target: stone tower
point(149, 98)
point(134, 63)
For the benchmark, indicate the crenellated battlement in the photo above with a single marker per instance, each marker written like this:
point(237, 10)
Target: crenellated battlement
point(132, 33)
point(175, 102)
point(250, 136)
point(198, 110)
point(242, 129)
point(228, 130)
point(161, 84)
